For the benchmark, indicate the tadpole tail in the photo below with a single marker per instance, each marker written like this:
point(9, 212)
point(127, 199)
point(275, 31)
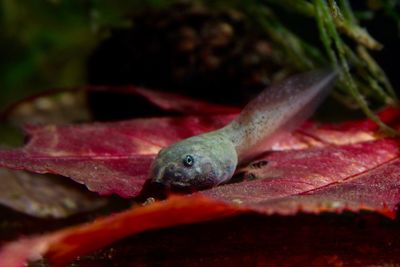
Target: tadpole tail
point(279, 108)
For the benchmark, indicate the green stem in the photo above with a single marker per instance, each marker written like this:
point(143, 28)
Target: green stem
point(329, 26)
point(376, 71)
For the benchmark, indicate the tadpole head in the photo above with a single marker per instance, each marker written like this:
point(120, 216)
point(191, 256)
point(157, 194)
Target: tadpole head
point(193, 164)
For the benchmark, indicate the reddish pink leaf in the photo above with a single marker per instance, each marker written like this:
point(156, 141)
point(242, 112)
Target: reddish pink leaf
point(336, 169)
point(363, 176)
point(106, 157)
point(331, 178)
point(295, 186)
point(114, 157)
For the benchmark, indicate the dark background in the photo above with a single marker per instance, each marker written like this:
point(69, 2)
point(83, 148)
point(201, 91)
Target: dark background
point(49, 44)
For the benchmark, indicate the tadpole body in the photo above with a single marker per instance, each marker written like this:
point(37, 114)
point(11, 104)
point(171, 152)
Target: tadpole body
point(210, 159)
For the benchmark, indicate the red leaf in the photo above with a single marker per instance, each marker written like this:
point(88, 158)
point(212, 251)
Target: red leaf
point(363, 176)
point(114, 157)
point(287, 193)
point(373, 187)
point(106, 157)
point(64, 245)
point(333, 169)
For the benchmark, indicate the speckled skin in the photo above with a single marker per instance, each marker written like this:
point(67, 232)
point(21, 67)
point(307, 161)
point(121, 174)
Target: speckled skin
point(215, 160)
point(216, 154)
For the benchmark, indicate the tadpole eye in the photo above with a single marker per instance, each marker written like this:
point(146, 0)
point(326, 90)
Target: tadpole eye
point(188, 161)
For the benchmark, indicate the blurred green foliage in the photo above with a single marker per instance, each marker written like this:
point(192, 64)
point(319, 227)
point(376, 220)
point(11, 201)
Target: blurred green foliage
point(44, 43)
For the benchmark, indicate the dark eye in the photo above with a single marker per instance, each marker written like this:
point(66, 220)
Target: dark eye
point(188, 161)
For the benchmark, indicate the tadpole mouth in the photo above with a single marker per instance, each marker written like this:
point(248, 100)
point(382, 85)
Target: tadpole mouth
point(181, 187)
point(172, 186)
point(170, 179)
point(160, 185)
